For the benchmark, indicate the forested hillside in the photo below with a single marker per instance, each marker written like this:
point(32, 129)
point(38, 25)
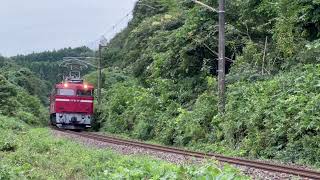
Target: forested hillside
point(160, 78)
point(22, 94)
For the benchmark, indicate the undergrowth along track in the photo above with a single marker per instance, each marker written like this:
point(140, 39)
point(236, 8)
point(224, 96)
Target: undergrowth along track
point(297, 171)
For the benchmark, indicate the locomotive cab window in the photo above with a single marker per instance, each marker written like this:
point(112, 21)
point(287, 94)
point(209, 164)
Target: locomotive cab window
point(65, 92)
point(84, 92)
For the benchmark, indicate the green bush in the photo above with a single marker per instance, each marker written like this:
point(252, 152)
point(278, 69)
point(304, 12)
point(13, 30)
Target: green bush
point(127, 103)
point(10, 128)
point(276, 118)
point(31, 109)
point(7, 141)
point(17, 102)
point(9, 123)
point(8, 92)
point(152, 114)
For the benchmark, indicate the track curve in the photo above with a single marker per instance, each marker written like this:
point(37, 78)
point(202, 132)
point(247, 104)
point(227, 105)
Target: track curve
point(305, 173)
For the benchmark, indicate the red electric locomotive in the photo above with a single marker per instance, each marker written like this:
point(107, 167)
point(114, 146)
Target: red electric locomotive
point(71, 104)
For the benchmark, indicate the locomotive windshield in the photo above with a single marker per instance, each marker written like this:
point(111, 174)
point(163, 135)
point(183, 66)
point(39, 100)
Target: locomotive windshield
point(65, 92)
point(84, 93)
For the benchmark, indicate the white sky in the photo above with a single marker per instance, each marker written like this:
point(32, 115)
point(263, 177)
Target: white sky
point(36, 25)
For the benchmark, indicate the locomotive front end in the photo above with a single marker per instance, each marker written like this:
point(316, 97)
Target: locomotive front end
point(72, 105)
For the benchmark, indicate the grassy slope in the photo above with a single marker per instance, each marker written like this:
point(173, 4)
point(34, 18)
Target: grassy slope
point(35, 154)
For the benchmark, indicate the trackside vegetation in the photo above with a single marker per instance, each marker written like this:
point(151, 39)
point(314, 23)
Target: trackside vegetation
point(160, 85)
point(33, 153)
point(30, 152)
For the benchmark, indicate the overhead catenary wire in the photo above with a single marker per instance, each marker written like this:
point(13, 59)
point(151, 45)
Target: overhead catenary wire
point(127, 15)
point(206, 6)
point(118, 23)
point(111, 28)
point(114, 26)
point(210, 49)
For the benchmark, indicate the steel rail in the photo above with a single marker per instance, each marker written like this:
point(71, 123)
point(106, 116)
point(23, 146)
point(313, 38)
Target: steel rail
point(305, 173)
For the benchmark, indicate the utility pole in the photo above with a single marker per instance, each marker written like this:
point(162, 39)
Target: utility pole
point(222, 60)
point(100, 71)
point(99, 75)
point(221, 54)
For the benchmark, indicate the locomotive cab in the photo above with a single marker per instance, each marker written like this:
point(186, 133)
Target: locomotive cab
point(71, 105)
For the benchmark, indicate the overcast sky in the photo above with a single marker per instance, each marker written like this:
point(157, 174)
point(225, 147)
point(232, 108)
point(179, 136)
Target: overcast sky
point(36, 25)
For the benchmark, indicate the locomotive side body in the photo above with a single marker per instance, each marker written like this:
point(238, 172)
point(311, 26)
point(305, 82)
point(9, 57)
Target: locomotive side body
point(71, 105)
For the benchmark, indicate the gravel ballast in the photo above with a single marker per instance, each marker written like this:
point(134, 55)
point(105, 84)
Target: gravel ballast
point(170, 157)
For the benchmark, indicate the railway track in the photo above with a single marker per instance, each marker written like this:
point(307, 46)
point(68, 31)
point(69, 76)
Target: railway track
point(304, 173)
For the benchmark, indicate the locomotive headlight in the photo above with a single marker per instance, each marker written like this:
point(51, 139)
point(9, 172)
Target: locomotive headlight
point(85, 86)
point(65, 85)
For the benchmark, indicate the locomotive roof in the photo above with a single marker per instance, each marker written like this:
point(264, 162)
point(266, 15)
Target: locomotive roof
point(69, 85)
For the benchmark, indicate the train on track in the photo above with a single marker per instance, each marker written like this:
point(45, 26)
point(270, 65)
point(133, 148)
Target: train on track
point(72, 101)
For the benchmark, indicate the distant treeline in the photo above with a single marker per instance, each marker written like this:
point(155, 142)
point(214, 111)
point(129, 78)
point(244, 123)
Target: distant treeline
point(46, 64)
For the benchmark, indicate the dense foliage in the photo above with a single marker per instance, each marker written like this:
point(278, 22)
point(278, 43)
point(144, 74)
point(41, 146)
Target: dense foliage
point(277, 117)
point(29, 153)
point(34, 154)
point(160, 86)
point(20, 91)
point(160, 82)
point(37, 72)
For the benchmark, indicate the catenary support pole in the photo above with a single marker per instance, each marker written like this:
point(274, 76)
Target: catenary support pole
point(221, 54)
point(222, 62)
point(99, 75)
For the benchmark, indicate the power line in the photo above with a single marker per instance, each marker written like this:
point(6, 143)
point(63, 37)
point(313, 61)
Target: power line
point(118, 23)
point(204, 5)
point(110, 29)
